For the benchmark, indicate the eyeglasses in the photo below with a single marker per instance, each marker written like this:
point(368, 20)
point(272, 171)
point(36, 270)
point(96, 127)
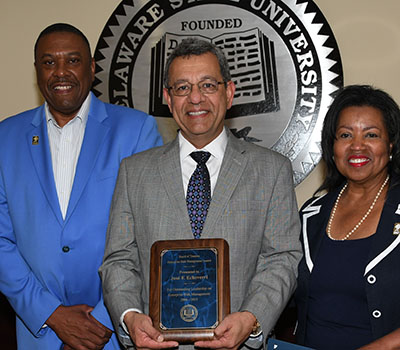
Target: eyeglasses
point(206, 86)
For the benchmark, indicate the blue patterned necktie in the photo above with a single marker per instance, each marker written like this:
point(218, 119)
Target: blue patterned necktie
point(199, 193)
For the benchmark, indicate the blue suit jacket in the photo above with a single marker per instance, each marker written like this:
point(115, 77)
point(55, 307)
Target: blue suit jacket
point(46, 261)
point(381, 273)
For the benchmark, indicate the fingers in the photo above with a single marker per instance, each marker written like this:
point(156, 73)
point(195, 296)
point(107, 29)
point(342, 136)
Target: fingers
point(94, 334)
point(143, 334)
point(100, 329)
point(231, 332)
point(77, 329)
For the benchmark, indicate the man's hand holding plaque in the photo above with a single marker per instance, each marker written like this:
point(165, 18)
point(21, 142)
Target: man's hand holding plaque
point(231, 333)
point(143, 334)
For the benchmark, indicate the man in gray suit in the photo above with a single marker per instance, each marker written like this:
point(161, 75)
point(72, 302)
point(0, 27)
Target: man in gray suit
point(253, 207)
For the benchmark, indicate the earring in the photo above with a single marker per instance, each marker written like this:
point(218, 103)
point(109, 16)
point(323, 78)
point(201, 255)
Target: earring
point(390, 158)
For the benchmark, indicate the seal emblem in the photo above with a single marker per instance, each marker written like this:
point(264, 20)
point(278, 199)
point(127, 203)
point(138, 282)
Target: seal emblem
point(282, 54)
point(189, 313)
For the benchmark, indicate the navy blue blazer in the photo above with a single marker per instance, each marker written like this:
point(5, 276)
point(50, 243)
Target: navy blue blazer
point(382, 272)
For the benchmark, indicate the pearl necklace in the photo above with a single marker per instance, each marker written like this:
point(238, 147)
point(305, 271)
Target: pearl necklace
point(328, 228)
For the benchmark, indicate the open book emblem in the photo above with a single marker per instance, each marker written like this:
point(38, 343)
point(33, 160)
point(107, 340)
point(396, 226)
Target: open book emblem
point(252, 62)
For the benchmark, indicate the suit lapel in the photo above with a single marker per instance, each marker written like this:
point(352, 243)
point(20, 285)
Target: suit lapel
point(314, 219)
point(93, 140)
point(232, 168)
point(171, 177)
point(41, 157)
point(386, 238)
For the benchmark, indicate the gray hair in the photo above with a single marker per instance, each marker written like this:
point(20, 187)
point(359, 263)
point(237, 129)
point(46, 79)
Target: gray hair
point(197, 47)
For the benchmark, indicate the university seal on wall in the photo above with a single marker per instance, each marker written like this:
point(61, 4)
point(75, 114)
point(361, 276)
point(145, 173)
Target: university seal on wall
point(282, 54)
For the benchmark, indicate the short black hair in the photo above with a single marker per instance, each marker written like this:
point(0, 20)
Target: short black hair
point(194, 46)
point(359, 95)
point(60, 28)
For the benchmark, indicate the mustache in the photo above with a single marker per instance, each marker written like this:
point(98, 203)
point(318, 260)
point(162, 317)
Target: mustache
point(61, 80)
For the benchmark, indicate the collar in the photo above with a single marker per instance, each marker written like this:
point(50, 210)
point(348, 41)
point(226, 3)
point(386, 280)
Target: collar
point(82, 114)
point(216, 147)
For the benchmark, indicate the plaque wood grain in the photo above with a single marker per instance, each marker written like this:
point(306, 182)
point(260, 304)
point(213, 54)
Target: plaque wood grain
point(183, 335)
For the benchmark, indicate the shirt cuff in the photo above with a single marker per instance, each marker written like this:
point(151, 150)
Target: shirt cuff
point(121, 319)
point(254, 342)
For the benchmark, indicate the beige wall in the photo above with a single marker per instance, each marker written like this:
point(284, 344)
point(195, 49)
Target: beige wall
point(367, 32)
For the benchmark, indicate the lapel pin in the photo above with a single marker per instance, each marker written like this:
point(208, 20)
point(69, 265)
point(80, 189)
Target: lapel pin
point(396, 228)
point(35, 140)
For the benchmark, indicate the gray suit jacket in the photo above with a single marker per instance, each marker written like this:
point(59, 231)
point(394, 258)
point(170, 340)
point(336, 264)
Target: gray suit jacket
point(253, 208)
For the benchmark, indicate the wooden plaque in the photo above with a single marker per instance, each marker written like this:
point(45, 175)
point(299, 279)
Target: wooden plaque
point(189, 288)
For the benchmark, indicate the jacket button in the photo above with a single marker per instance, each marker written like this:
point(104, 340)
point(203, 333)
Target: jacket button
point(371, 279)
point(65, 249)
point(376, 313)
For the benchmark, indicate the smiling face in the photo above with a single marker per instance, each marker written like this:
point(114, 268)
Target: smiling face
point(362, 147)
point(199, 116)
point(65, 73)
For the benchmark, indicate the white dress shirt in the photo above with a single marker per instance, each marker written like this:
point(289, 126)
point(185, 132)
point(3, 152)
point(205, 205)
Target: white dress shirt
point(188, 164)
point(65, 146)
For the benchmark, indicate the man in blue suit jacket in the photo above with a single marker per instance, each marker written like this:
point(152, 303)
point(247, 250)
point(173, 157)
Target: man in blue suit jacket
point(58, 167)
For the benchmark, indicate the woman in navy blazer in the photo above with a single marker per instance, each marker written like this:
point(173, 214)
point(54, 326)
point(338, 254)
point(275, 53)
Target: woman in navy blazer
point(349, 278)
